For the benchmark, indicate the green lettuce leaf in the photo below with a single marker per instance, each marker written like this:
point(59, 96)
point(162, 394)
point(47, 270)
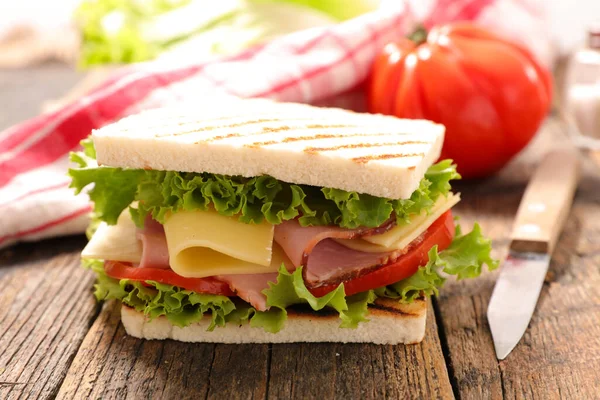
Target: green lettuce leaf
point(436, 183)
point(357, 309)
point(114, 188)
point(467, 254)
point(464, 258)
point(290, 290)
point(251, 199)
point(183, 307)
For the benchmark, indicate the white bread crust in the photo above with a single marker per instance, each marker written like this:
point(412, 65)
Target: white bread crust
point(374, 154)
point(393, 323)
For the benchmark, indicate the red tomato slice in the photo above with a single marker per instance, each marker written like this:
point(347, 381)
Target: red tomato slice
point(120, 270)
point(441, 232)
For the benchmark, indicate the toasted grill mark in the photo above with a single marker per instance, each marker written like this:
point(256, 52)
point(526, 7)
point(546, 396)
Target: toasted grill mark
point(185, 119)
point(211, 128)
point(305, 311)
point(391, 310)
point(265, 130)
point(298, 138)
point(316, 137)
point(366, 159)
point(268, 129)
point(321, 126)
point(260, 144)
point(325, 136)
point(359, 146)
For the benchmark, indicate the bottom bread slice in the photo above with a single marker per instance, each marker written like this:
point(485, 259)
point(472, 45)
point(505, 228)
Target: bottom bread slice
point(390, 323)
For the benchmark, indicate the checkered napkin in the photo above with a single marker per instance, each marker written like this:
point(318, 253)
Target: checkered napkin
point(311, 66)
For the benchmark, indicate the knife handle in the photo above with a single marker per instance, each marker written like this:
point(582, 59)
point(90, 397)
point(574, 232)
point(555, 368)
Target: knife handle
point(546, 203)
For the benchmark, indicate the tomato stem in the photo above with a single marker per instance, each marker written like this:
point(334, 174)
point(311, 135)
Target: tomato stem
point(419, 35)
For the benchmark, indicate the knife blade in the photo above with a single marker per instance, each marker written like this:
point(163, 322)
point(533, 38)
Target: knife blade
point(538, 223)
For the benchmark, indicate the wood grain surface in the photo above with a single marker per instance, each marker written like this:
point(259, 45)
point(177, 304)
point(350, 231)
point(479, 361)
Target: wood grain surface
point(56, 342)
point(45, 312)
point(559, 355)
point(111, 364)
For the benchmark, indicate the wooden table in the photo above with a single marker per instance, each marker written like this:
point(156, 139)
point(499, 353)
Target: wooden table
point(55, 340)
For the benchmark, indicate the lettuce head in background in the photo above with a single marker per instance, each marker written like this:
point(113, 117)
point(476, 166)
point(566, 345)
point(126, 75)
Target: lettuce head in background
point(129, 31)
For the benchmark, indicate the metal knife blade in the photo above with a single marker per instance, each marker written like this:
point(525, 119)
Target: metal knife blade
point(540, 218)
point(514, 298)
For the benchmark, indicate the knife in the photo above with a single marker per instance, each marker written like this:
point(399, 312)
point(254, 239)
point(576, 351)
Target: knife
point(539, 221)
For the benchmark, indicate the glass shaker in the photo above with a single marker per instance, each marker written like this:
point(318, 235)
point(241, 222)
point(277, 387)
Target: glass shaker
point(581, 102)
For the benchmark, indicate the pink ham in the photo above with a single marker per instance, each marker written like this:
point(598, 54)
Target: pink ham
point(155, 253)
point(249, 287)
point(298, 241)
point(326, 261)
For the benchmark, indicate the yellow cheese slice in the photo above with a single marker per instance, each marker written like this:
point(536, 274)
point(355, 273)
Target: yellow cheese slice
point(115, 242)
point(200, 262)
point(205, 243)
point(400, 236)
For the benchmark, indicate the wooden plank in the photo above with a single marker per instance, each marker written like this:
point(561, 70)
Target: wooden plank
point(110, 364)
point(46, 309)
point(559, 356)
point(365, 371)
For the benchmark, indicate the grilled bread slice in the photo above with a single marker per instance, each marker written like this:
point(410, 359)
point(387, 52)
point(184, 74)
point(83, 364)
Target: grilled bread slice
point(390, 322)
point(378, 155)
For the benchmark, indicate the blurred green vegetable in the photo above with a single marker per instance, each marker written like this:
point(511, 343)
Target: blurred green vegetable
point(339, 9)
point(129, 31)
point(110, 30)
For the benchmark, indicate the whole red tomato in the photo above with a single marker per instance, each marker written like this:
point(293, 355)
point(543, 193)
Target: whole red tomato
point(491, 94)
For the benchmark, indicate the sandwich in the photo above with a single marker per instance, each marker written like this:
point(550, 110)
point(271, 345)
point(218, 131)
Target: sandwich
point(254, 221)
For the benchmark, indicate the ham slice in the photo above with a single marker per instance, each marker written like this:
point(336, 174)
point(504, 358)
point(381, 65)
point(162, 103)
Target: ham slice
point(249, 287)
point(155, 253)
point(326, 261)
point(299, 241)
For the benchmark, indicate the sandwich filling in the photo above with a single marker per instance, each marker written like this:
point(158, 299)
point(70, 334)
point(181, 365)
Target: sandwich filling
point(241, 250)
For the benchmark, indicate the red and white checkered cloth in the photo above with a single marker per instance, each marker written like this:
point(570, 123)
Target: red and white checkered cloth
point(309, 66)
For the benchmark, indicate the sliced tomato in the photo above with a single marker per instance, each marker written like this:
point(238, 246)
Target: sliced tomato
point(440, 233)
point(120, 270)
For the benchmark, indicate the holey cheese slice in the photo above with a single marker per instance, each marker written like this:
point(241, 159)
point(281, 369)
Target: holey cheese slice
point(402, 235)
point(205, 243)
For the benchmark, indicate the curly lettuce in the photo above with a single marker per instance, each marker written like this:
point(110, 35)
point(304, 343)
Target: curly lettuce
point(181, 307)
point(184, 307)
point(464, 258)
point(290, 290)
point(253, 200)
